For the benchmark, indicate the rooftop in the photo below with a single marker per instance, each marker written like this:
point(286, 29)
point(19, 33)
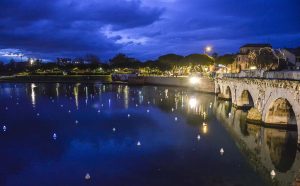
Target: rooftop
point(261, 45)
point(295, 51)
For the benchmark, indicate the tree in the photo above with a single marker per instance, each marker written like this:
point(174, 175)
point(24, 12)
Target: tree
point(198, 59)
point(2, 67)
point(171, 59)
point(267, 59)
point(215, 55)
point(92, 59)
point(225, 59)
point(122, 61)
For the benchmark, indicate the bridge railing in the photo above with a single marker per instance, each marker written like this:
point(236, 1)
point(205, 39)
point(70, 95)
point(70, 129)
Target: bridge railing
point(287, 75)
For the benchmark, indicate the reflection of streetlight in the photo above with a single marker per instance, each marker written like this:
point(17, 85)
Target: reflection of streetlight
point(33, 94)
point(193, 102)
point(205, 129)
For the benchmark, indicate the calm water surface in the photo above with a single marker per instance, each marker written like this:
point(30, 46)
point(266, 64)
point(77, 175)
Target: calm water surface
point(135, 136)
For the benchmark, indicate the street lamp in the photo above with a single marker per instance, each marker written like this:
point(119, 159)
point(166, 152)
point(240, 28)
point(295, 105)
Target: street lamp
point(208, 49)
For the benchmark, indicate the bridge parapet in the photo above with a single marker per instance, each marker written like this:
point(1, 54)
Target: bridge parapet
point(261, 74)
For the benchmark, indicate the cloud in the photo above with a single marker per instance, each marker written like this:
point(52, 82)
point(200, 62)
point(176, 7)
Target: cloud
point(145, 28)
point(69, 27)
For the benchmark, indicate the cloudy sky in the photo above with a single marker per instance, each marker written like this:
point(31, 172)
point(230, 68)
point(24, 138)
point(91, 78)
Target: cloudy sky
point(144, 29)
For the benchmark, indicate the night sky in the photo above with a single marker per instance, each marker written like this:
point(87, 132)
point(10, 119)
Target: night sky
point(144, 29)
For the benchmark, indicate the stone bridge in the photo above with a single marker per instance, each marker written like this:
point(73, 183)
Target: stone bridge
point(271, 102)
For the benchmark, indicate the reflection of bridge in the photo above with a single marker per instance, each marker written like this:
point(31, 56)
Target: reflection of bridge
point(266, 148)
point(271, 101)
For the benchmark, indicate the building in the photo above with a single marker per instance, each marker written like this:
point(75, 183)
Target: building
point(64, 61)
point(292, 55)
point(242, 61)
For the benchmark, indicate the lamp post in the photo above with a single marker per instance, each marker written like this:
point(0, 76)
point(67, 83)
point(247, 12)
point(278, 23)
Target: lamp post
point(208, 49)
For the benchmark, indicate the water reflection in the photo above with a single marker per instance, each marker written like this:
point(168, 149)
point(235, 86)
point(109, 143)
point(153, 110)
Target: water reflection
point(92, 129)
point(33, 94)
point(266, 148)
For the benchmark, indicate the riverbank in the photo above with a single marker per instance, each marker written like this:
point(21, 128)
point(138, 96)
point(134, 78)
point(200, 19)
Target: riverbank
point(205, 84)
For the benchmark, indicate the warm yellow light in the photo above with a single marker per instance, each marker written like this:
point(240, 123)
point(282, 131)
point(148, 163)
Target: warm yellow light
point(208, 49)
point(31, 61)
point(193, 102)
point(205, 129)
point(194, 80)
point(253, 68)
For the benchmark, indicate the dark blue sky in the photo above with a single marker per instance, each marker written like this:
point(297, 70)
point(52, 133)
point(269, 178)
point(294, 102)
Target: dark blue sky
point(143, 28)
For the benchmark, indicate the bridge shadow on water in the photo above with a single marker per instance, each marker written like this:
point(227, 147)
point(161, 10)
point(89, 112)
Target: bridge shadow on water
point(266, 146)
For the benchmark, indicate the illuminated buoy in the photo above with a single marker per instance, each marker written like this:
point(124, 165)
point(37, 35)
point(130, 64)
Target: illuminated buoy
point(4, 128)
point(102, 105)
point(54, 136)
point(273, 173)
point(87, 176)
point(175, 118)
point(136, 105)
point(148, 110)
point(69, 111)
point(198, 137)
point(98, 111)
point(38, 114)
point(76, 121)
point(128, 115)
point(138, 143)
point(6, 108)
point(222, 151)
point(114, 129)
point(61, 105)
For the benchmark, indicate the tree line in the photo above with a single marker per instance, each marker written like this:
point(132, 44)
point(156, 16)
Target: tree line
point(91, 63)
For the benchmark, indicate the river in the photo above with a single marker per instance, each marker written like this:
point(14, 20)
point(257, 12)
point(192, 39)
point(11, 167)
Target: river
point(103, 134)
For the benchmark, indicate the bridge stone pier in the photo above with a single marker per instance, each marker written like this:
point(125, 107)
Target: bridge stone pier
point(272, 102)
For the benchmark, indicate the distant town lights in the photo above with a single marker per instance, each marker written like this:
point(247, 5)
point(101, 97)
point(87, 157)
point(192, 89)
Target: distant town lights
point(31, 61)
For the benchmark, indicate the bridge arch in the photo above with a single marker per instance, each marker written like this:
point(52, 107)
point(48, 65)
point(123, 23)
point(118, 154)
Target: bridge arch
point(282, 147)
point(280, 111)
point(217, 88)
point(228, 93)
point(245, 99)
